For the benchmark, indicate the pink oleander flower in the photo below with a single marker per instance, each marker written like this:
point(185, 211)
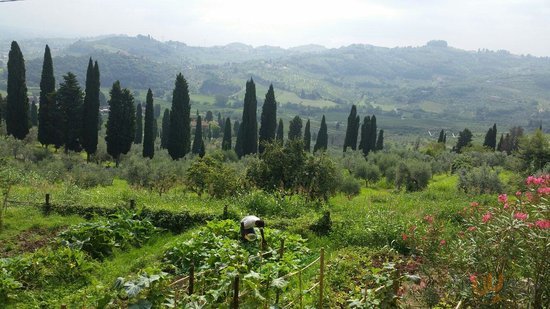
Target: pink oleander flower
point(503, 198)
point(429, 219)
point(529, 196)
point(543, 224)
point(474, 204)
point(529, 180)
point(505, 206)
point(472, 228)
point(404, 236)
point(518, 194)
point(473, 278)
point(543, 191)
point(442, 242)
point(486, 217)
point(521, 216)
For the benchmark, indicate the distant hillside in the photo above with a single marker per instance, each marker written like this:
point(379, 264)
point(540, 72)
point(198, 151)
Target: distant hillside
point(432, 81)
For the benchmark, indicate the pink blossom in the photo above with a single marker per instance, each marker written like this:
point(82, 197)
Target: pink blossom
point(505, 206)
point(520, 216)
point(473, 278)
point(503, 198)
point(529, 196)
point(543, 190)
point(529, 180)
point(404, 236)
point(486, 217)
point(474, 204)
point(543, 224)
point(518, 194)
point(472, 228)
point(442, 242)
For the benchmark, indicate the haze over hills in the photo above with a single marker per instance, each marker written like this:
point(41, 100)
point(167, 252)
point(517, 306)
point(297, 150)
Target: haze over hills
point(431, 81)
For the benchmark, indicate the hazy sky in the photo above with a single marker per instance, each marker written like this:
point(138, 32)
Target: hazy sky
point(520, 26)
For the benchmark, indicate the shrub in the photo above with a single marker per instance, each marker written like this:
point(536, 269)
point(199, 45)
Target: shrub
point(350, 186)
point(92, 175)
point(368, 172)
point(323, 225)
point(209, 174)
point(479, 180)
point(413, 175)
point(267, 204)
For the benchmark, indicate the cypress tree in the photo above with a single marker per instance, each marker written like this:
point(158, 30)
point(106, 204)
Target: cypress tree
point(90, 115)
point(464, 139)
point(179, 140)
point(198, 142)
point(165, 134)
point(138, 137)
point(226, 142)
point(441, 136)
point(365, 135)
point(268, 124)
point(220, 120)
point(249, 124)
point(236, 127)
point(34, 114)
point(17, 106)
point(307, 137)
point(500, 142)
point(351, 131)
point(209, 116)
point(295, 128)
point(493, 140)
point(322, 137)
point(445, 138)
point(488, 137)
point(373, 128)
point(70, 100)
point(380, 140)
point(279, 137)
point(121, 124)
point(149, 127)
point(239, 142)
point(209, 132)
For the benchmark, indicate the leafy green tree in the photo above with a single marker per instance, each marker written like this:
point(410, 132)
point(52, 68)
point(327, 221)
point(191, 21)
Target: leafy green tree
point(90, 115)
point(464, 140)
point(70, 100)
point(209, 174)
point(268, 124)
point(249, 124)
point(179, 140)
point(165, 134)
point(535, 152)
point(441, 136)
point(322, 137)
point(17, 106)
point(295, 128)
point(279, 137)
point(380, 140)
point(121, 124)
point(198, 143)
point(138, 138)
point(352, 129)
point(149, 127)
point(226, 143)
point(34, 114)
point(307, 137)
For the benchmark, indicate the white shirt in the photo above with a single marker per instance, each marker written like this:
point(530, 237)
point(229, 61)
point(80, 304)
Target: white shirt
point(249, 221)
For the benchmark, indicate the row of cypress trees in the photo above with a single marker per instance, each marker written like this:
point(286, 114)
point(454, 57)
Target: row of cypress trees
point(370, 140)
point(69, 117)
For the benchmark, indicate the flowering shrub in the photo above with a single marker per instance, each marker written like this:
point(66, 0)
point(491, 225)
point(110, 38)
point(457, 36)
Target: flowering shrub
point(506, 247)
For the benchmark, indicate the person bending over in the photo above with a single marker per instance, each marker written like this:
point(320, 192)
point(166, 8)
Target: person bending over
point(248, 224)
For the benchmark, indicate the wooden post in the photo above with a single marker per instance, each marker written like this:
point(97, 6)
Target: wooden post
point(132, 204)
point(266, 305)
point(47, 199)
point(235, 303)
point(191, 279)
point(321, 277)
point(300, 288)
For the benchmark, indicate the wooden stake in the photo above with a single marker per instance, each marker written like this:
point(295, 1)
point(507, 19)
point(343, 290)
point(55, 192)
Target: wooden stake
point(300, 288)
point(321, 277)
point(235, 304)
point(191, 279)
